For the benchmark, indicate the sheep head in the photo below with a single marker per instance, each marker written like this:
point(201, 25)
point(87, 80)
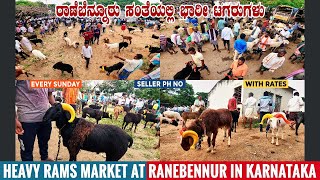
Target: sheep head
point(57, 113)
point(189, 139)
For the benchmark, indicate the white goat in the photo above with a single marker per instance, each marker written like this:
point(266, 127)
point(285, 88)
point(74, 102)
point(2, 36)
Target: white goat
point(247, 32)
point(171, 115)
point(38, 54)
point(68, 41)
point(112, 46)
point(250, 45)
point(75, 44)
point(276, 122)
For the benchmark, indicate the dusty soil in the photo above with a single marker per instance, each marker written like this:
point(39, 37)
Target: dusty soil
point(56, 50)
point(142, 149)
point(171, 64)
point(246, 145)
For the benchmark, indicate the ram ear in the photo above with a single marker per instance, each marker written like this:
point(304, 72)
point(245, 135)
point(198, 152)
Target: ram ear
point(69, 108)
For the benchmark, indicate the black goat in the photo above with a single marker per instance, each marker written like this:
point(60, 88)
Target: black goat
point(95, 113)
point(131, 118)
point(185, 72)
point(79, 134)
point(149, 117)
point(35, 41)
point(130, 29)
point(94, 106)
point(123, 45)
point(298, 119)
point(32, 37)
point(112, 68)
point(63, 67)
point(235, 117)
point(153, 49)
point(195, 75)
point(154, 36)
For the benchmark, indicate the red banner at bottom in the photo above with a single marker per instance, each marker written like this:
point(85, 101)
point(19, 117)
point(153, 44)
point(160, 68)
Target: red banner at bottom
point(233, 170)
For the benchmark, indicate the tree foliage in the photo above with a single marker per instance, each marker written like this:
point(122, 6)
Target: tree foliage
point(121, 3)
point(29, 3)
point(66, 3)
point(182, 96)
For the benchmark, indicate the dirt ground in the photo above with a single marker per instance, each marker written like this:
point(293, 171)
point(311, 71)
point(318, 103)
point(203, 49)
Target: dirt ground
point(219, 61)
point(246, 145)
point(142, 149)
point(56, 50)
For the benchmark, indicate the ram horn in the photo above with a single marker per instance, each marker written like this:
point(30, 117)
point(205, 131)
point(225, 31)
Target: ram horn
point(193, 135)
point(266, 116)
point(283, 117)
point(69, 108)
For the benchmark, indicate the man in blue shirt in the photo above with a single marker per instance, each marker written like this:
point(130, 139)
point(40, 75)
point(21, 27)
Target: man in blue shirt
point(240, 46)
point(221, 24)
point(265, 106)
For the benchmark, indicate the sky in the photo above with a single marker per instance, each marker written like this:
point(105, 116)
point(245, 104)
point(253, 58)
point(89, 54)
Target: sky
point(203, 85)
point(59, 2)
point(299, 86)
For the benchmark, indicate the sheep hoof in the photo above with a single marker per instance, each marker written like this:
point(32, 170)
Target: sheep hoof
point(229, 145)
point(209, 149)
point(272, 142)
point(213, 151)
point(277, 144)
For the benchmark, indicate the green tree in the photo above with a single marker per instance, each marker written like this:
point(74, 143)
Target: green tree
point(121, 3)
point(66, 3)
point(181, 96)
point(147, 93)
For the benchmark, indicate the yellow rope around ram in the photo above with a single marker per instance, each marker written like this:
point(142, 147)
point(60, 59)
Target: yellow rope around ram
point(193, 135)
point(266, 116)
point(69, 108)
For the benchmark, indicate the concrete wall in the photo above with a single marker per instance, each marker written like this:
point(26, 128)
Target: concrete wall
point(219, 96)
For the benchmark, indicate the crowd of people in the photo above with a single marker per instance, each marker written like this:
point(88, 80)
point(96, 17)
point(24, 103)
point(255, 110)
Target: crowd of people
point(250, 37)
point(91, 29)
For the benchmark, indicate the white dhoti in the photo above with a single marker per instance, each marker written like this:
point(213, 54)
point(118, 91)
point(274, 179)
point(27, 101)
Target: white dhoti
point(249, 112)
point(26, 44)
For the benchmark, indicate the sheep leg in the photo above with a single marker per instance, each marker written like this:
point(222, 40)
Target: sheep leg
point(135, 128)
point(122, 124)
point(225, 134)
point(145, 125)
point(209, 142)
point(277, 136)
point(131, 127)
point(272, 135)
point(297, 127)
point(229, 137)
point(213, 141)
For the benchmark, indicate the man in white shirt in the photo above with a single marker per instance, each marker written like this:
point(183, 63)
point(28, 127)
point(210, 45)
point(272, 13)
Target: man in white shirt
point(285, 33)
point(197, 104)
point(295, 105)
point(23, 30)
point(226, 35)
point(255, 33)
point(196, 39)
point(250, 105)
point(176, 39)
point(87, 53)
point(198, 59)
point(272, 61)
point(130, 66)
point(30, 30)
point(19, 50)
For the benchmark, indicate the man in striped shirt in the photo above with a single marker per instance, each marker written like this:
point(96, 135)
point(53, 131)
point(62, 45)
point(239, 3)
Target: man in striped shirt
point(272, 62)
